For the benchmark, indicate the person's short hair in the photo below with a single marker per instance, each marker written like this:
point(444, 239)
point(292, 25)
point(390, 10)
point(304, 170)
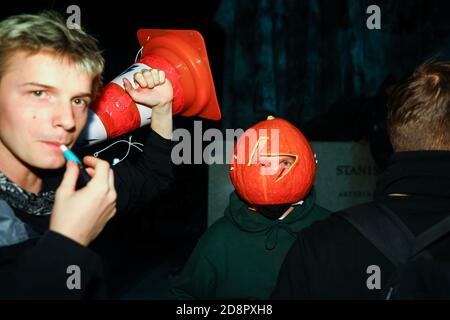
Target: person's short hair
point(48, 30)
point(419, 109)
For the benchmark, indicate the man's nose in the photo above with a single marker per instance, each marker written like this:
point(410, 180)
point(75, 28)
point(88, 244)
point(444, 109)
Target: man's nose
point(64, 116)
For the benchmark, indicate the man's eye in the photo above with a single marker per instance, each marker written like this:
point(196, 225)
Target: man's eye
point(38, 93)
point(265, 163)
point(286, 164)
point(79, 102)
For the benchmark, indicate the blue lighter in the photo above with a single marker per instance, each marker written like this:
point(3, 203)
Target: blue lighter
point(70, 156)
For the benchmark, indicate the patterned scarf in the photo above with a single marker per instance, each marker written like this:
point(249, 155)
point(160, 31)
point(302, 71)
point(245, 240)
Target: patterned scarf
point(39, 204)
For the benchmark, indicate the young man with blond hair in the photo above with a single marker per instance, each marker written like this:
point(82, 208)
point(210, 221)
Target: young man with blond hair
point(49, 75)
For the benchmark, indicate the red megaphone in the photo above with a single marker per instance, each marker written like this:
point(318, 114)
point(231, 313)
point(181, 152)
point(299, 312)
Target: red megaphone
point(182, 55)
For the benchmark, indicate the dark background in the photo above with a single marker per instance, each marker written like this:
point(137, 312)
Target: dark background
point(312, 62)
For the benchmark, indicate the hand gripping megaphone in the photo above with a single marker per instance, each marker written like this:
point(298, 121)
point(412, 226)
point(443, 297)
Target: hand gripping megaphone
point(182, 55)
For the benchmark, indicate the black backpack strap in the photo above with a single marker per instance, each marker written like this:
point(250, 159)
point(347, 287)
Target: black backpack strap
point(430, 236)
point(383, 229)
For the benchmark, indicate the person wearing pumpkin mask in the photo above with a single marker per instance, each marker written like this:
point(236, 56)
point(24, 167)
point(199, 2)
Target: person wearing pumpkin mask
point(239, 256)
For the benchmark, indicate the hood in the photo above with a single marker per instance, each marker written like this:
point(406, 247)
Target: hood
point(253, 222)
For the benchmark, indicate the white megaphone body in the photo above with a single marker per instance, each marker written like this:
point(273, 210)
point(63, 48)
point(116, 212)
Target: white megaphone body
point(182, 55)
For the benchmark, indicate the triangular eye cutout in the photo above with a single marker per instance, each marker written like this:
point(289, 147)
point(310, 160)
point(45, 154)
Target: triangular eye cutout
point(259, 146)
point(285, 171)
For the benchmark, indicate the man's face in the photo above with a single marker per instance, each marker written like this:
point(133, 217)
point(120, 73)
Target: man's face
point(43, 103)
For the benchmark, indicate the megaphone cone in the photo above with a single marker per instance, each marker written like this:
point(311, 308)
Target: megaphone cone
point(185, 50)
point(182, 55)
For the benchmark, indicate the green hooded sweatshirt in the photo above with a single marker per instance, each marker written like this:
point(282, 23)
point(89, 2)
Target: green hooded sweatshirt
point(240, 255)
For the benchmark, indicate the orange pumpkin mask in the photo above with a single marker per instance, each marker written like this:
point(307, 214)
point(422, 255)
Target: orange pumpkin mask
point(262, 182)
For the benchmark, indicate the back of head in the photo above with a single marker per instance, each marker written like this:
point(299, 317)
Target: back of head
point(419, 110)
point(48, 31)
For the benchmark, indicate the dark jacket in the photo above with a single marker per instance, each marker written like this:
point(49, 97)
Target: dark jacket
point(37, 267)
point(329, 260)
point(240, 255)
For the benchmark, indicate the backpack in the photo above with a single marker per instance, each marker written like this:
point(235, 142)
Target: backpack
point(417, 274)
